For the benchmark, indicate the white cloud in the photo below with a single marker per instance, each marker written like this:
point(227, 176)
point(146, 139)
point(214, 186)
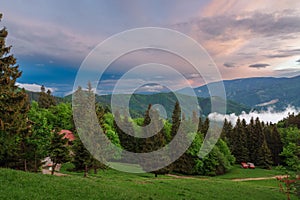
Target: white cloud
point(267, 116)
point(33, 87)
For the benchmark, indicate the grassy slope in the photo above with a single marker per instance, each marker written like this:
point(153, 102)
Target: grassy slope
point(111, 184)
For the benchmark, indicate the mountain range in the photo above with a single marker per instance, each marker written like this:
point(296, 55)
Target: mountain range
point(242, 95)
point(258, 92)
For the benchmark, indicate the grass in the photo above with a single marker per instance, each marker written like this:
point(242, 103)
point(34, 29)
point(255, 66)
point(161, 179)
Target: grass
point(237, 172)
point(111, 184)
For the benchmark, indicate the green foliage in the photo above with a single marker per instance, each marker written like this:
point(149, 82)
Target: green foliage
point(152, 123)
point(14, 105)
point(238, 143)
point(264, 157)
point(61, 117)
point(38, 142)
point(59, 151)
point(46, 100)
point(291, 149)
point(291, 152)
point(139, 103)
point(83, 160)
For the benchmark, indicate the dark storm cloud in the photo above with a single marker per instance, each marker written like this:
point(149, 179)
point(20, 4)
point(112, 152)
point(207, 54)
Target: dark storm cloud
point(279, 55)
point(229, 64)
point(259, 65)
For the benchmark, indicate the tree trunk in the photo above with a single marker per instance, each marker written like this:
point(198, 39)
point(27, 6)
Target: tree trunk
point(155, 175)
point(25, 165)
point(95, 169)
point(35, 163)
point(85, 171)
point(53, 168)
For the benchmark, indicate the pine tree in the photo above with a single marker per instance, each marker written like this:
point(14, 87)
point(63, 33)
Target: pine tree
point(46, 100)
point(147, 118)
point(14, 105)
point(82, 159)
point(274, 143)
point(226, 134)
point(251, 140)
point(186, 162)
point(59, 152)
point(154, 143)
point(205, 127)
point(176, 119)
point(257, 140)
point(264, 157)
point(238, 145)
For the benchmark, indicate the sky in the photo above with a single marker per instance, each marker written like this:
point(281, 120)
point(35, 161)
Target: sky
point(51, 39)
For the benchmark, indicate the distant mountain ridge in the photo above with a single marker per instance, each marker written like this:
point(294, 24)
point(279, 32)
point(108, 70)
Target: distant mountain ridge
point(259, 92)
point(139, 102)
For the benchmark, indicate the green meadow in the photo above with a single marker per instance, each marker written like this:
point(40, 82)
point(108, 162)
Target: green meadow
point(112, 184)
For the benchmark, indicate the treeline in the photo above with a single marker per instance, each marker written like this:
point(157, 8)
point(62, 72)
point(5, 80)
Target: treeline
point(264, 144)
point(255, 142)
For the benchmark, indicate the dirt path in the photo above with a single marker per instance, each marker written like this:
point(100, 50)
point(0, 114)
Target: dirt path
point(46, 171)
point(236, 179)
point(257, 179)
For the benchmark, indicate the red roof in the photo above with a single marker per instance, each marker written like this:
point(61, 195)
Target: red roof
point(68, 134)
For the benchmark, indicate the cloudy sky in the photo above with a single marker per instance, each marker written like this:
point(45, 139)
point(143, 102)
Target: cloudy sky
point(244, 38)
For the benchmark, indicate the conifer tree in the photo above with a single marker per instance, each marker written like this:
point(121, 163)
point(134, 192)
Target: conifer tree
point(59, 152)
point(274, 143)
point(82, 159)
point(14, 105)
point(154, 143)
point(176, 119)
point(238, 144)
point(46, 100)
point(205, 127)
point(226, 131)
point(264, 157)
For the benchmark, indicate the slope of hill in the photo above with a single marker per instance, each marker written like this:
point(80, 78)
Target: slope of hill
point(111, 184)
point(259, 92)
point(139, 103)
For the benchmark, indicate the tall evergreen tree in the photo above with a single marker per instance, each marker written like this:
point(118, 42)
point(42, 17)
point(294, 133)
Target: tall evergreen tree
point(239, 143)
point(205, 127)
point(251, 140)
point(154, 143)
point(274, 143)
point(46, 100)
point(176, 119)
point(59, 152)
point(14, 106)
point(226, 134)
point(264, 157)
point(82, 158)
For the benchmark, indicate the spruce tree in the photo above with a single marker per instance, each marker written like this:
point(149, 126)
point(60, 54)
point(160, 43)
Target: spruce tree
point(226, 131)
point(176, 119)
point(205, 127)
point(154, 143)
point(239, 144)
point(59, 152)
point(14, 105)
point(82, 159)
point(46, 100)
point(274, 142)
point(264, 157)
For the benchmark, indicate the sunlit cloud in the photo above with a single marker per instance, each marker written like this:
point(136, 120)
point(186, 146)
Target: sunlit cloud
point(34, 87)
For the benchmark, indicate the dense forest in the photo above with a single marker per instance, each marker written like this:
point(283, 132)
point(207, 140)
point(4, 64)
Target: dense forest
point(29, 132)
